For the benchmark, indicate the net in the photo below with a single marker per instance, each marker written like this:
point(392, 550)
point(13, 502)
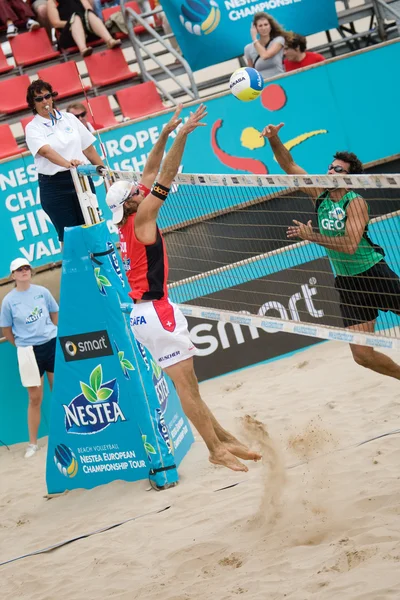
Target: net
point(231, 258)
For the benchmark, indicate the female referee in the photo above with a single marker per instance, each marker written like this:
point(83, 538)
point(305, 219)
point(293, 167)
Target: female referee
point(58, 142)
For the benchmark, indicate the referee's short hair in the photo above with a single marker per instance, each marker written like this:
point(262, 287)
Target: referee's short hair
point(35, 89)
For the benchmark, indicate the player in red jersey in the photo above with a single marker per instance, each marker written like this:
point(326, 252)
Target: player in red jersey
point(156, 322)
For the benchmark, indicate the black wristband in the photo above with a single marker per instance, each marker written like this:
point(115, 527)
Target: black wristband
point(160, 191)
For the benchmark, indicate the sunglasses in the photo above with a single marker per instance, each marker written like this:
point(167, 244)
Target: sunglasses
point(81, 115)
point(41, 98)
point(24, 268)
point(337, 169)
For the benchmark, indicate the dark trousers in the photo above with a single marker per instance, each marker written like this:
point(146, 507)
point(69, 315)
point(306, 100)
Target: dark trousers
point(60, 201)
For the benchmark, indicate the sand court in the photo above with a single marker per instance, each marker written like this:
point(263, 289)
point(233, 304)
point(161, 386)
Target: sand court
point(319, 518)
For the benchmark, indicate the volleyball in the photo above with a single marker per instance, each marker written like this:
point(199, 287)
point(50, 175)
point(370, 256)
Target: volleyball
point(246, 84)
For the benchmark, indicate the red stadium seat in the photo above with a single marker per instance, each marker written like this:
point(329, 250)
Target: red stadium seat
point(8, 144)
point(140, 100)
point(4, 66)
point(107, 12)
point(64, 78)
point(25, 121)
point(102, 112)
point(107, 67)
point(32, 47)
point(13, 94)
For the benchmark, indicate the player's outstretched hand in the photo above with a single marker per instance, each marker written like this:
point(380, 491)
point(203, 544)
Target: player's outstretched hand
point(174, 121)
point(300, 230)
point(271, 130)
point(195, 119)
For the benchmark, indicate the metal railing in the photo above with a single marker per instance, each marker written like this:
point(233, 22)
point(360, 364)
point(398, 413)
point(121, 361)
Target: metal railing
point(383, 11)
point(132, 19)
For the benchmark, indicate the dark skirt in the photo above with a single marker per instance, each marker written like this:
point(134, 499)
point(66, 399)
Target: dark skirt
point(60, 202)
point(65, 39)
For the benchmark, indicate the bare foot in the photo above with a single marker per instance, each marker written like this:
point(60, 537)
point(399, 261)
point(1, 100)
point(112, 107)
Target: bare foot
point(226, 459)
point(242, 451)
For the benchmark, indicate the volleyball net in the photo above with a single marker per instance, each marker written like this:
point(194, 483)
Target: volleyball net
point(231, 260)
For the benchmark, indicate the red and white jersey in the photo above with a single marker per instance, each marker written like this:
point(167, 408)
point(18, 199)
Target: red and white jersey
point(146, 266)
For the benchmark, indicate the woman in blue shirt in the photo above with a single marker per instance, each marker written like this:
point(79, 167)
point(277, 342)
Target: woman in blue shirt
point(29, 316)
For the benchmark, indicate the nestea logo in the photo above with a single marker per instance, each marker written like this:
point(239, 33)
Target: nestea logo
point(96, 407)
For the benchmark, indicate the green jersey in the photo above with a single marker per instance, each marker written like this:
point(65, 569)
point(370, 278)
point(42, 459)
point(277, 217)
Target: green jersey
point(332, 217)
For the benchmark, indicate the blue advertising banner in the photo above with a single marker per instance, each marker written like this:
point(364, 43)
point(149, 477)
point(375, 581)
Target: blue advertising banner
point(322, 112)
point(109, 417)
point(211, 31)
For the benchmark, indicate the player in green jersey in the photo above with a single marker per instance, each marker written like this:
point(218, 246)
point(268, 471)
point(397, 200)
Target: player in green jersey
point(365, 282)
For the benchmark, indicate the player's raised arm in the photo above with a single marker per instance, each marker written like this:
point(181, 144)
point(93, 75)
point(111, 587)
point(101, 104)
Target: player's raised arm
point(284, 158)
point(155, 157)
point(147, 212)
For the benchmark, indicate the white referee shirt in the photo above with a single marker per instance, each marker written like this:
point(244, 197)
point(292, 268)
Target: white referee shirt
point(67, 136)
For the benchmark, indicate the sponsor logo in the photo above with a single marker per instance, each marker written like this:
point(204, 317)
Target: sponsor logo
point(35, 315)
point(208, 338)
point(163, 431)
point(304, 330)
point(65, 461)
point(207, 314)
point(379, 343)
point(160, 385)
point(240, 320)
point(101, 280)
point(201, 17)
point(86, 345)
point(126, 365)
point(340, 337)
point(336, 220)
point(168, 356)
point(115, 263)
point(127, 264)
point(149, 449)
point(37, 297)
point(95, 408)
point(142, 352)
point(139, 320)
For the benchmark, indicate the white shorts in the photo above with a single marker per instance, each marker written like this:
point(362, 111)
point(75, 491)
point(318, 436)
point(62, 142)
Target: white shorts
point(162, 328)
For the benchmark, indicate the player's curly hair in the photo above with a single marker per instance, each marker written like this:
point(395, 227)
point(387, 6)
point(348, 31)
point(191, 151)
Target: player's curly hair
point(356, 166)
point(35, 89)
point(276, 28)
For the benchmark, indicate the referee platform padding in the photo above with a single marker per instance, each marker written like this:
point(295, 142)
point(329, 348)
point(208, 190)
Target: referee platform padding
point(114, 414)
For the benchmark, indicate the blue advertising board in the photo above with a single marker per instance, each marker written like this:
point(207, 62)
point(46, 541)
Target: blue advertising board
point(323, 108)
point(112, 407)
point(211, 31)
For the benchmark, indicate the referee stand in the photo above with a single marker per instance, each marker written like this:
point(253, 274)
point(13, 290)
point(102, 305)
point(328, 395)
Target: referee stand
point(114, 414)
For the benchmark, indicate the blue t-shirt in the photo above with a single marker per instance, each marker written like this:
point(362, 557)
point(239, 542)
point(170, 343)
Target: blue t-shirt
point(28, 313)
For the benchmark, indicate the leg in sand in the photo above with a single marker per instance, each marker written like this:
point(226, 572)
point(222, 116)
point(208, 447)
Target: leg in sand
point(371, 359)
point(185, 381)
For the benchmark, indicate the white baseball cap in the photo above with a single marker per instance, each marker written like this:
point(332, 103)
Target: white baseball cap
point(118, 193)
point(17, 263)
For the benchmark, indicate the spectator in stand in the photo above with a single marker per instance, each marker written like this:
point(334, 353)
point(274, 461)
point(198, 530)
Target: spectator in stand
point(39, 7)
point(79, 110)
point(265, 53)
point(12, 11)
point(296, 55)
point(29, 316)
point(78, 24)
point(58, 142)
